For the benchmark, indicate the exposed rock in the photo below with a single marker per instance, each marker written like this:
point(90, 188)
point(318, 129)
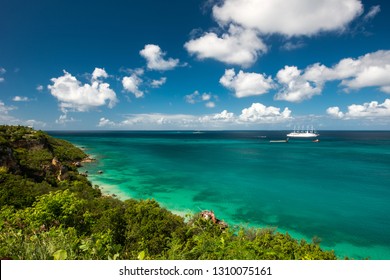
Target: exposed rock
point(209, 215)
point(88, 159)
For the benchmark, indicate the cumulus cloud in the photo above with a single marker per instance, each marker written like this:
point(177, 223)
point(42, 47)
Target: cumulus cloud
point(258, 112)
point(155, 58)
point(238, 46)
point(132, 84)
point(75, 96)
point(20, 99)
point(295, 88)
point(369, 70)
point(246, 84)
point(39, 88)
point(224, 116)
point(207, 98)
point(370, 76)
point(99, 73)
point(105, 122)
point(290, 18)
point(335, 112)
point(370, 110)
point(248, 21)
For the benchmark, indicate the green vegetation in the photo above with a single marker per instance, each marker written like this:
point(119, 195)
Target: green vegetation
point(49, 211)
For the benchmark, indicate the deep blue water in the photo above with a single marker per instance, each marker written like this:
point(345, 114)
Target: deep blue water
point(337, 189)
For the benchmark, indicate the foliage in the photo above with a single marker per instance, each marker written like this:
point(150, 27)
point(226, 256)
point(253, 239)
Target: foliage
point(49, 211)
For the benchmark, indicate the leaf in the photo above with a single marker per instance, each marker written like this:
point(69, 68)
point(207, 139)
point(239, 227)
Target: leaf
point(141, 255)
point(60, 255)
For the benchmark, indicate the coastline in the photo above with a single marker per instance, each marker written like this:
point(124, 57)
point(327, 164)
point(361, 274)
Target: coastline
point(114, 191)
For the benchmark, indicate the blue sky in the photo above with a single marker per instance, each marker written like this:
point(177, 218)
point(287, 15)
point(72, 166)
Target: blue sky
point(195, 64)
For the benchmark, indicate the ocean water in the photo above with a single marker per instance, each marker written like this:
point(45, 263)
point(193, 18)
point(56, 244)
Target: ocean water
point(337, 189)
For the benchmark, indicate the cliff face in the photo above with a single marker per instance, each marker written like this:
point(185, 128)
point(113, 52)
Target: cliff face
point(36, 154)
point(33, 163)
point(8, 160)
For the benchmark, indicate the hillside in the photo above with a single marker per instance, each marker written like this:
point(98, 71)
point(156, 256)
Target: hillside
point(50, 211)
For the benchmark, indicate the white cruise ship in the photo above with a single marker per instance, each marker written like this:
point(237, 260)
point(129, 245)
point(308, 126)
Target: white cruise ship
point(303, 133)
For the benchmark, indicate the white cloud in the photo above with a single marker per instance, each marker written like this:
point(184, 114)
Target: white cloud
point(290, 46)
point(99, 73)
point(367, 110)
point(290, 18)
point(2, 72)
point(63, 119)
point(210, 104)
point(39, 88)
point(5, 109)
point(158, 83)
point(238, 47)
point(105, 122)
point(155, 58)
point(21, 99)
point(219, 119)
point(224, 116)
point(385, 89)
point(132, 84)
point(295, 88)
point(192, 98)
point(248, 21)
point(206, 96)
point(158, 120)
point(258, 112)
point(335, 112)
point(196, 97)
point(6, 118)
point(374, 10)
point(370, 70)
point(370, 76)
point(246, 84)
point(75, 96)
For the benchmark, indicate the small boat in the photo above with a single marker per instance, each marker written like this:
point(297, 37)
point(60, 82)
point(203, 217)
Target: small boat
point(279, 141)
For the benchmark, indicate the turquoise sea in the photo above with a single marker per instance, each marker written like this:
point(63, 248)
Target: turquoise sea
point(337, 189)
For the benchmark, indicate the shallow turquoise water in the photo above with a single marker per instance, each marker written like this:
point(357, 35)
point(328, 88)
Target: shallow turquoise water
point(337, 189)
